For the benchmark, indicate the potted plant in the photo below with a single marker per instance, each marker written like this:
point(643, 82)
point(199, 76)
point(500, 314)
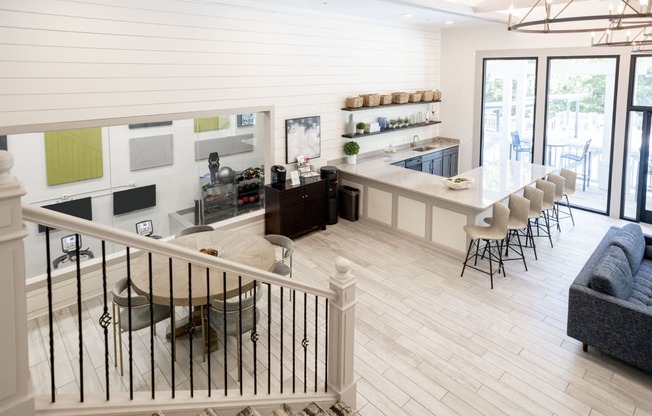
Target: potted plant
point(360, 127)
point(351, 149)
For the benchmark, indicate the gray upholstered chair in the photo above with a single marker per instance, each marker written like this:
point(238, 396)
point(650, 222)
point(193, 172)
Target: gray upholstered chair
point(548, 189)
point(287, 249)
point(559, 182)
point(194, 229)
point(140, 315)
point(496, 232)
point(535, 196)
point(569, 189)
point(519, 208)
point(241, 315)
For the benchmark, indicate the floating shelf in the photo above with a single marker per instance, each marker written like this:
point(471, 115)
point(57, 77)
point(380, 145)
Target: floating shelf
point(413, 126)
point(388, 105)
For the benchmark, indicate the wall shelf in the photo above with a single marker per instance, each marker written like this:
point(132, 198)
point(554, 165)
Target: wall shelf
point(413, 126)
point(388, 105)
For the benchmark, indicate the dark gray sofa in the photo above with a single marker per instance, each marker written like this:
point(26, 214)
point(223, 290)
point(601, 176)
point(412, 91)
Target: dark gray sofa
point(610, 301)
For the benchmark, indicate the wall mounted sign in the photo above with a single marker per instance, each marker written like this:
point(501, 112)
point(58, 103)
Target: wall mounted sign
point(246, 120)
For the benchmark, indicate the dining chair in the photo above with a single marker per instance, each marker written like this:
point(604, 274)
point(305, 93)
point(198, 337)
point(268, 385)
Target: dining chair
point(519, 208)
point(518, 145)
point(283, 265)
point(241, 314)
point(559, 182)
point(140, 314)
point(569, 189)
point(548, 189)
point(194, 229)
point(568, 159)
point(496, 233)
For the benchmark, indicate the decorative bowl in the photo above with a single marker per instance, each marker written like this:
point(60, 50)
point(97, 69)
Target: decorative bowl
point(458, 183)
point(212, 251)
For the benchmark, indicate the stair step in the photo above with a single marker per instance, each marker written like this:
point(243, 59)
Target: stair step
point(313, 409)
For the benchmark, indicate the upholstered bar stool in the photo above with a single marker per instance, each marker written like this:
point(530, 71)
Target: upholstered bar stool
point(535, 196)
point(569, 189)
point(496, 233)
point(559, 182)
point(519, 209)
point(548, 189)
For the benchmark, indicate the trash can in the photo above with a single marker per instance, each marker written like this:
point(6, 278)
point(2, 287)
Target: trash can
point(349, 203)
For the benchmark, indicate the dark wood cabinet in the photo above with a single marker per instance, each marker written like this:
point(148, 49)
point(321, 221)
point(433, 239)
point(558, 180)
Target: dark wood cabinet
point(449, 164)
point(295, 210)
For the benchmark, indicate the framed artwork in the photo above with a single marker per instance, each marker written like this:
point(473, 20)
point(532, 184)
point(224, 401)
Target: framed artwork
point(246, 120)
point(302, 138)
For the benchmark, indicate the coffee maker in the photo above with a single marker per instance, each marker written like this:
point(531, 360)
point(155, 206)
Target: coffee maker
point(278, 176)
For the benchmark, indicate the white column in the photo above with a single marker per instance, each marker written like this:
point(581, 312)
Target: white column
point(341, 315)
point(15, 395)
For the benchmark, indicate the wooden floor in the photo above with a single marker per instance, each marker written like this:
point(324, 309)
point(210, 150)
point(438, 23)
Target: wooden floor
point(429, 342)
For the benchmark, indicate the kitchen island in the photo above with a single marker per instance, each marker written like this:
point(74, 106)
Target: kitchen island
point(422, 205)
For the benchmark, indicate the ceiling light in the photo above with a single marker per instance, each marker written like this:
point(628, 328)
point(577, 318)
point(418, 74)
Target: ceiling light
point(406, 15)
point(560, 17)
point(448, 22)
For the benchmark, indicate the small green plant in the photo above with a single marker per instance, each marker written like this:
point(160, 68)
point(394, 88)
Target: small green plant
point(360, 126)
point(351, 148)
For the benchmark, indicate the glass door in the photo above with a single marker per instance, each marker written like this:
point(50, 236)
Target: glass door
point(508, 97)
point(637, 179)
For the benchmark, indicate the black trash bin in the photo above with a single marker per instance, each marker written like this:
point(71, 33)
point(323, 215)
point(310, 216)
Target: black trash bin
point(349, 203)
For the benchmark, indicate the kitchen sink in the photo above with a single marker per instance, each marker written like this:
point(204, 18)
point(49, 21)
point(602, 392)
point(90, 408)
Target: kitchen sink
point(424, 148)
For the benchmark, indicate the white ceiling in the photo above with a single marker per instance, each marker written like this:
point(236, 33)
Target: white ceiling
point(422, 12)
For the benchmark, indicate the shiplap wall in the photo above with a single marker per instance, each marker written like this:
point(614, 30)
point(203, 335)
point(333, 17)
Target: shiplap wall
point(63, 61)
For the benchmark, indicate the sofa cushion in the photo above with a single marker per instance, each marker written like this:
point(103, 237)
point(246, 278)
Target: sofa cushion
point(642, 287)
point(648, 252)
point(631, 240)
point(613, 275)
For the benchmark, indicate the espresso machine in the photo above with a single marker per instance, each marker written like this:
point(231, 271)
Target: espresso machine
point(278, 176)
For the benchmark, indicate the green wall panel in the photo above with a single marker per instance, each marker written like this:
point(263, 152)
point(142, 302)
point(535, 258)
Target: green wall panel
point(212, 123)
point(73, 155)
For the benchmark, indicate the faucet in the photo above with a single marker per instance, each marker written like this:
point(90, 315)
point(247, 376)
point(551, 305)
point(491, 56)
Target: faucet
point(415, 139)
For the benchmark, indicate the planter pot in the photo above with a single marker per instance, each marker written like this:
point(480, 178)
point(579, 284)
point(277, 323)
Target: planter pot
point(351, 160)
point(360, 131)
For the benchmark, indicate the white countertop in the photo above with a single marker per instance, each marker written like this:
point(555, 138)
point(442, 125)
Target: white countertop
point(493, 182)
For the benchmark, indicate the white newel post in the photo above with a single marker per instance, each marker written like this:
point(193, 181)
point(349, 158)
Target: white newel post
point(15, 394)
point(341, 315)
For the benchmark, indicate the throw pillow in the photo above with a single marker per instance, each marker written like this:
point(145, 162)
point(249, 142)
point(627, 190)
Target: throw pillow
point(613, 276)
point(631, 240)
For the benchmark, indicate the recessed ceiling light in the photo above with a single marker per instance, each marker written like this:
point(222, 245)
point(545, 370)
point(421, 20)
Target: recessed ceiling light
point(448, 22)
point(407, 15)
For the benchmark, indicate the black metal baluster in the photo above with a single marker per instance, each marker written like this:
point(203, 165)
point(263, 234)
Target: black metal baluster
point(254, 340)
point(208, 326)
point(105, 321)
point(173, 330)
point(191, 326)
point(131, 360)
point(326, 349)
point(226, 381)
point(50, 316)
point(240, 335)
point(151, 320)
point(79, 321)
point(281, 288)
point(294, 340)
point(269, 338)
point(304, 342)
point(316, 336)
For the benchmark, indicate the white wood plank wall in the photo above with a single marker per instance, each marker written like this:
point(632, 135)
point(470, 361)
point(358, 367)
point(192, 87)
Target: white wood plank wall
point(100, 59)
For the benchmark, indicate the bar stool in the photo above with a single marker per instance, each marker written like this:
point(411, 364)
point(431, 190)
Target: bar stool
point(519, 209)
point(496, 232)
point(535, 196)
point(569, 189)
point(559, 182)
point(548, 189)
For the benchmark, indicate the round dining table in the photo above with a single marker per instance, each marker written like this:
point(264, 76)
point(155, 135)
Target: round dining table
point(247, 249)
